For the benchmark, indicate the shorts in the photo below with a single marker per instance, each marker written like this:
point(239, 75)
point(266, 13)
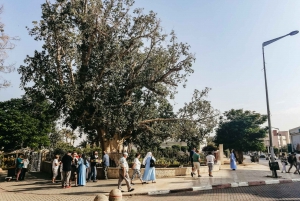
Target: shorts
point(55, 172)
point(210, 167)
point(196, 165)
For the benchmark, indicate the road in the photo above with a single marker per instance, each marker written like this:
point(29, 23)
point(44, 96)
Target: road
point(289, 191)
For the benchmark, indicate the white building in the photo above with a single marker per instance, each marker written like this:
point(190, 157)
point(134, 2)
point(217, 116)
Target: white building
point(295, 138)
point(279, 139)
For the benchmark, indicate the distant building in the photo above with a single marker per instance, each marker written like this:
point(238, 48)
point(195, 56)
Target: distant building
point(295, 138)
point(279, 139)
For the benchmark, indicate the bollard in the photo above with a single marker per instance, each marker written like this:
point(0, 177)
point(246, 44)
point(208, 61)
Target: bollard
point(101, 197)
point(115, 195)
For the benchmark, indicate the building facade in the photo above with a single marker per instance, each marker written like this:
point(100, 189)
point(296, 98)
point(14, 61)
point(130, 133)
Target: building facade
point(295, 138)
point(279, 139)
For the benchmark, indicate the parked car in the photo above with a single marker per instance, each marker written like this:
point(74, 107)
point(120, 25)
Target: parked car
point(262, 156)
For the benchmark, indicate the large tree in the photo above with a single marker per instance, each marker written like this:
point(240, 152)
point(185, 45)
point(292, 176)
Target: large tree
point(5, 45)
point(24, 123)
point(111, 71)
point(242, 131)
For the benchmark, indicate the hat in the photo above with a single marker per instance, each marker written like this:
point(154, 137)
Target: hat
point(125, 153)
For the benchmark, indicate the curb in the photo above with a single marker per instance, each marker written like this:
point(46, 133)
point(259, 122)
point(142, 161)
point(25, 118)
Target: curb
point(217, 186)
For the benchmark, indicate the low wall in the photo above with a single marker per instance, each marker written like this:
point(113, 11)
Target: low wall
point(113, 172)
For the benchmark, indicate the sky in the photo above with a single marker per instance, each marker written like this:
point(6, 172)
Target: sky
point(226, 38)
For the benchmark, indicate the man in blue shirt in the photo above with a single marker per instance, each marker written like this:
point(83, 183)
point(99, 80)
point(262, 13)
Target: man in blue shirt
point(105, 162)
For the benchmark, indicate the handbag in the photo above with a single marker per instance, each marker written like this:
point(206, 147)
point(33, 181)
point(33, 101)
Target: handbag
point(152, 162)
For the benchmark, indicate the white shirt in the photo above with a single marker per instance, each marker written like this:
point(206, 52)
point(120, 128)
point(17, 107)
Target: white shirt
point(297, 157)
point(137, 164)
point(25, 163)
point(210, 159)
point(123, 163)
point(53, 164)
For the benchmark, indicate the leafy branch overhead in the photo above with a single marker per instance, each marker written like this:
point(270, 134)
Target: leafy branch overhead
point(109, 69)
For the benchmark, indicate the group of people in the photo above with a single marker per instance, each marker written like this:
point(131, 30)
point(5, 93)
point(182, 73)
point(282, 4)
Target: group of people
point(149, 173)
point(196, 159)
point(293, 159)
point(21, 167)
point(73, 167)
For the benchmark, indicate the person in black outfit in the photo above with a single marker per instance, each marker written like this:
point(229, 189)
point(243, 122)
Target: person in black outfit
point(292, 161)
point(94, 163)
point(66, 161)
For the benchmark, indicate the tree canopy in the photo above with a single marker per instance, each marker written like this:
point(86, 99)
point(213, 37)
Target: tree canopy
point(241, 130)
point(112, 71)
point(24, 124)
point(5, 45)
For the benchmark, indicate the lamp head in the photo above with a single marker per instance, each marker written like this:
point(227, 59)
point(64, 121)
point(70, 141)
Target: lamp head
point(293, 33)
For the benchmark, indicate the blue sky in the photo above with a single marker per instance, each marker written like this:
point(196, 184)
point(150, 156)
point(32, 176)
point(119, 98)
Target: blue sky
point(226, 37)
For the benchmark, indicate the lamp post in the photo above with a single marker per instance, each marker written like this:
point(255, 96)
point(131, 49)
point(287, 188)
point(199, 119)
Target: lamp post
point(274, 173)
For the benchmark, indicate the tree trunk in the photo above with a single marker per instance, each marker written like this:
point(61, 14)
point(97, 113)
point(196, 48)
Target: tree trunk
point(113, 146)
point(240, 157)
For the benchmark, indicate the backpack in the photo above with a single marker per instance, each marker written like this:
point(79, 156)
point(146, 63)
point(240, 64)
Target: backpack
point(152, 162)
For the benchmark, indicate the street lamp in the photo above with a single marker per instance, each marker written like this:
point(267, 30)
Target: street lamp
point(274, 173)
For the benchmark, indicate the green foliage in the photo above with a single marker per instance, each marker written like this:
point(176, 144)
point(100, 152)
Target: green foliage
point(24, 123)
point(276, 150)
point(184, 148)
point(210, 147)
point(241, 130)
point(176, 147)
point(111, 71)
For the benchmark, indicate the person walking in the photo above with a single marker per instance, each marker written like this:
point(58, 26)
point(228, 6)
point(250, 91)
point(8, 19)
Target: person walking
point(137, 169)
point(292, 161)
point(82, 165)
point(232, 160)
point(66, 168)
point(24, 168)
point(105, 163)
point(283, 160)
point(196, 162)
point(74, 168)
point(191, 159)
point(149, 174)
point(297, 156)
point(123, 173)
point(55, 165)
point(19, 166)
point(210, 160)
point(94, 163)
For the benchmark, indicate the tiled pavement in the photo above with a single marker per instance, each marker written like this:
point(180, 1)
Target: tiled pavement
point(41, 189)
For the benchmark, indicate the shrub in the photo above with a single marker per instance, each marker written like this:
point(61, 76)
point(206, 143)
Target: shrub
point(184, 148)
point(176, 147)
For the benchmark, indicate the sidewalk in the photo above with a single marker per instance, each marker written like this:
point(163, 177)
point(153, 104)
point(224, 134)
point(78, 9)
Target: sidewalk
point(246, 175)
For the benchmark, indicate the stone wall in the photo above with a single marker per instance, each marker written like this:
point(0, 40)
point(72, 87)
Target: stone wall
point(113, 172)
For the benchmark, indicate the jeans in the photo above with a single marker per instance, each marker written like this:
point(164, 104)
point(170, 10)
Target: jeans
point(105, 171)
point(93, 174)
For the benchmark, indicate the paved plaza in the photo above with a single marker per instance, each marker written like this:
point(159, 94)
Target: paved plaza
point(39, 187)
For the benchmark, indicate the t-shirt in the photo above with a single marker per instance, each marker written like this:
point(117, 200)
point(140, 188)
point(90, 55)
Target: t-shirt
point(192, 153)
point(137, 164)
point(25, 163)
point(53, 164)
point(66, 160)
point(297, 158)
point(94, 158)
point(106, 160)
point(123, 163)
point(210, 158)
point(19, 163)
point(196, 157)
